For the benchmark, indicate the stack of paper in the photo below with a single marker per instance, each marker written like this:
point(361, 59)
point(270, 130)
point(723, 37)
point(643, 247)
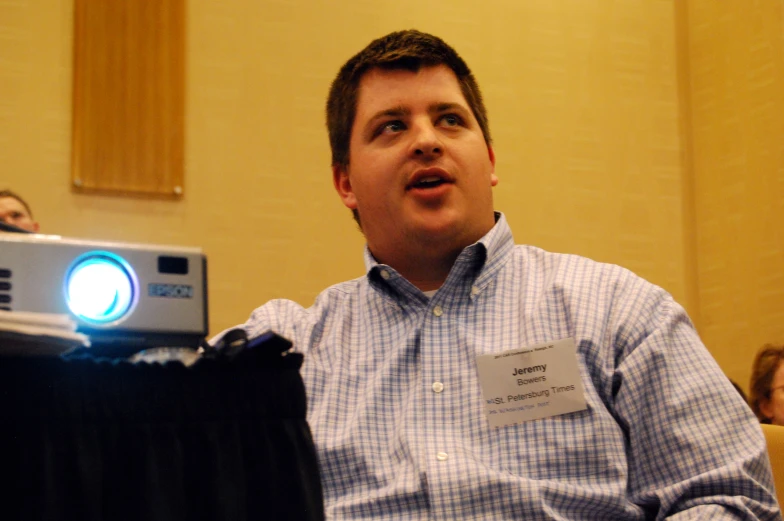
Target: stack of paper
point(38, 334)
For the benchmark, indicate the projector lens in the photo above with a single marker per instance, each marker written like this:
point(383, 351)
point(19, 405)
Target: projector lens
point(101, 288)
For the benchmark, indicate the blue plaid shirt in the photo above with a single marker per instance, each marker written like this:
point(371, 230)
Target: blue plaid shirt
point(397, 415)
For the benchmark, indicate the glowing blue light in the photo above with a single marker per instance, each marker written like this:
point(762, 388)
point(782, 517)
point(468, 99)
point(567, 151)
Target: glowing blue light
point(100, 288)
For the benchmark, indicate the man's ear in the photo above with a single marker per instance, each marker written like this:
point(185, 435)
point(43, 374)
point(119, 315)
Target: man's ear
point(493, 177)
point(342, 182)
point(36, 227)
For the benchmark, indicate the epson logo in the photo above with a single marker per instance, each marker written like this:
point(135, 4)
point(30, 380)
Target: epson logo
point(170, 290)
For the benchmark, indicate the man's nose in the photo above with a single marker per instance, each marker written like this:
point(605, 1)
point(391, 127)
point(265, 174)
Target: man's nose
point(426, 140)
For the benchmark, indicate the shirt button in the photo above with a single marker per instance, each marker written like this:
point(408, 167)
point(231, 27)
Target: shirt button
point(438, 387)
point(474, 291)
point(437, 311)
point(384, 274)
point(442, 456)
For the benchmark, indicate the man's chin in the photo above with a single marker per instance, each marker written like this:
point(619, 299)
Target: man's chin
point(441, 231)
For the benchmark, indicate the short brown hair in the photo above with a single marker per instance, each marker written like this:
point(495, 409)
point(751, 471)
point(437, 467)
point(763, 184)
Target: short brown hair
point(766, 363)
point(408, 50)
point(9, 193)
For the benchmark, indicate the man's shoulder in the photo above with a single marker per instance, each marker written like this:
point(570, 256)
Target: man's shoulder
point(576, 275)
point(329, 297)
point(341, 291)
point(568, 264)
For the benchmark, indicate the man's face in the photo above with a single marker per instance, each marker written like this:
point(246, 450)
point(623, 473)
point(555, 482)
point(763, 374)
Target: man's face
point(13, 212)
point(773, 407)
point(420, 172)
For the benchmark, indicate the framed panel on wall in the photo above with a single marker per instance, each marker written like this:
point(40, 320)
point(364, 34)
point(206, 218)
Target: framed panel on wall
point(129, 97)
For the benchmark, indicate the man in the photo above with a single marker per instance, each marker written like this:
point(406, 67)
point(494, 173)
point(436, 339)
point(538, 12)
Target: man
point(465, 377)
point(16, 212)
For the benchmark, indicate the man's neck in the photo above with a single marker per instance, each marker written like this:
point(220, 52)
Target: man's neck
point(424, 260)
point(426, 272)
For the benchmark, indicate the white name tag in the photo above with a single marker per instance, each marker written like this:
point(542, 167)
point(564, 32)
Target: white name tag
point(531, 383)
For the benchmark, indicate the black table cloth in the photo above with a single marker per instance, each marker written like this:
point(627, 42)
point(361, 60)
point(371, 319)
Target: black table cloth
point(224, 439)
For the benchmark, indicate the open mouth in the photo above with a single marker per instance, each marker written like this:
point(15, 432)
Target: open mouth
point(428, 182)
point(429, 178)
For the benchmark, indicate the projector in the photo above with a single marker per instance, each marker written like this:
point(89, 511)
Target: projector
point(124, 297)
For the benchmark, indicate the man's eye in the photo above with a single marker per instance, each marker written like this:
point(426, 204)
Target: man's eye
point(391, 126)
point(452, 120)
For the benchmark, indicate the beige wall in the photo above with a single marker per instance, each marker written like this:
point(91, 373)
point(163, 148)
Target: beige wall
point(736, 51)
point(585, 102)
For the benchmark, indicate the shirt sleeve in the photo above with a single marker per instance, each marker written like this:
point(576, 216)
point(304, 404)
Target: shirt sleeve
point(695, 450)
point(283, 317)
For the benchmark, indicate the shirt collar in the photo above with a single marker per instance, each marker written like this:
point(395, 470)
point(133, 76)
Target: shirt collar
point(481, 260)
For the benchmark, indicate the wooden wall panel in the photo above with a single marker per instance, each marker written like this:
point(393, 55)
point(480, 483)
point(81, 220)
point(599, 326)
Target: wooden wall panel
point(128, 98)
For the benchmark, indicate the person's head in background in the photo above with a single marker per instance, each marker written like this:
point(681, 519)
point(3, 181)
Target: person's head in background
point(767, 384)
point(16, 212)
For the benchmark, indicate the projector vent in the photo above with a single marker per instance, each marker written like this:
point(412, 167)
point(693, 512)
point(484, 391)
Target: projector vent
point(5, 289)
